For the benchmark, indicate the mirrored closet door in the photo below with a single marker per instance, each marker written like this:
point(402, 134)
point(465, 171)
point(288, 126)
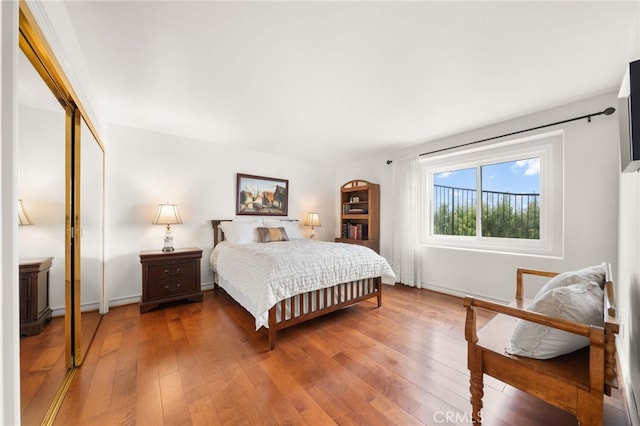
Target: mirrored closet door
point(90, 217)
point(60, 165)
point(41, 178)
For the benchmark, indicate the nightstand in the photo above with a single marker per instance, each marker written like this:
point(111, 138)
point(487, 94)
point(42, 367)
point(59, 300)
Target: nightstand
point(171, 276)
point(34, 295)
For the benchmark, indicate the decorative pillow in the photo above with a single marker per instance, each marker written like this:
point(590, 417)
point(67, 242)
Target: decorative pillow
point(292, 227)
point(269, 235)
point(577, 302)
point(242, 232)
point(595, 273)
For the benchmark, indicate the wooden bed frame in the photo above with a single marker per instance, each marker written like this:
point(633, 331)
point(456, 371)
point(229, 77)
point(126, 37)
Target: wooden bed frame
point(292, 311)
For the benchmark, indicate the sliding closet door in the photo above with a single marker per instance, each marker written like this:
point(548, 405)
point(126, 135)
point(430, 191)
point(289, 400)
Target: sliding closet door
point(41, 176)
point(63, 186)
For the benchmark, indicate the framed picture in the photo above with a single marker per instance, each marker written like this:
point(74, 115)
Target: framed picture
point(262, 196)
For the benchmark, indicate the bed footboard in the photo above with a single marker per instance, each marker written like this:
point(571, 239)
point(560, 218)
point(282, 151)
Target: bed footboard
point(316, 303)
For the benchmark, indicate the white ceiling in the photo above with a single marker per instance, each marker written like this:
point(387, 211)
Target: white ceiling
point(330, 80)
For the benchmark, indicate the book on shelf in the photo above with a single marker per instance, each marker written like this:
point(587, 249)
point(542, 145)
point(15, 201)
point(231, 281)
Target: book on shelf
point(349, 209)
point(356, 231)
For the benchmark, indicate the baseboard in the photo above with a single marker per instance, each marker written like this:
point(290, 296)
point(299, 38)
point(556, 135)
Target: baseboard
point(207, 286)
point(630, 400)
point(633, 409)
point(461, 294)
point(136, 299)
point(124, 301)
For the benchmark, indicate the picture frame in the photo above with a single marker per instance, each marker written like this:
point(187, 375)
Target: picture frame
point(355, 199)
point(261, 196)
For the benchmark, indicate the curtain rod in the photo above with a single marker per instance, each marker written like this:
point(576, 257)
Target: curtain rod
point(607, 111)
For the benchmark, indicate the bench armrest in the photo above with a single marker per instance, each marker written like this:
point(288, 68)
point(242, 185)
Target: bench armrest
point(521, 272)
point(559, 323)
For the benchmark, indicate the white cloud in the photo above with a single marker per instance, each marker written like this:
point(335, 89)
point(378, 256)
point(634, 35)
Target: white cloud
point(444, 175)
point(531, 166)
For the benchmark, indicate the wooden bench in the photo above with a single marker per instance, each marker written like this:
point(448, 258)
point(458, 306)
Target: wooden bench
point(573, 382)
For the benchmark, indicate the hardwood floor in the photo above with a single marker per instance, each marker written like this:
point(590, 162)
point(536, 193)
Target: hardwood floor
point(43, 365)
point(203, 364)
point(42, 370)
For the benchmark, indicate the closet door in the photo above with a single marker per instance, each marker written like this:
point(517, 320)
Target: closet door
point(89, 239)
point(71, 203)
point(41, 182)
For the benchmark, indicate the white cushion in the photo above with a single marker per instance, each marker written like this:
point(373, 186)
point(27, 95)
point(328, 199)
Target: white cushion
point(241, 232)
point(576, 302)
point(595, 273)
point(291, 227)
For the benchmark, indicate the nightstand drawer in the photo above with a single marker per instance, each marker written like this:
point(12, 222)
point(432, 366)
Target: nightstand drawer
point(172, 271)
point(168, 288)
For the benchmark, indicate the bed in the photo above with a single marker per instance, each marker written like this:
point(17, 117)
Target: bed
point(284, 279)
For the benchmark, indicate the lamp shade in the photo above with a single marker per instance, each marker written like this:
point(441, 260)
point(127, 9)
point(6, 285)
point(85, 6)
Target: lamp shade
point(167, 214)
point(312, 219)
point(23, 217)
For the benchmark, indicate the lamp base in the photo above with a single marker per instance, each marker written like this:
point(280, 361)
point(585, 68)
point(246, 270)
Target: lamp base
point(168, 240)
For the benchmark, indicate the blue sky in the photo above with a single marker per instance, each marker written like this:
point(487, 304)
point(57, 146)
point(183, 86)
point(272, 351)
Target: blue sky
point(518, 177)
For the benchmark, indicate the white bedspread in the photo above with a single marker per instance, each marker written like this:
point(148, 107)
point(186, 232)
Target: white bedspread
point(266, 273)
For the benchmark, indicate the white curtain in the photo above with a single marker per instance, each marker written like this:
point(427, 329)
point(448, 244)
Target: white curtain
point(405, 246)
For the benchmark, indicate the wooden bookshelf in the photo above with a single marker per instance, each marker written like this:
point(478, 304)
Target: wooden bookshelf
point(360, 214)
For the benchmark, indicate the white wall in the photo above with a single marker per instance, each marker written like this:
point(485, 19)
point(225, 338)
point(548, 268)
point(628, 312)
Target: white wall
point(628, 283)
point(628, 286)
point(146, 168)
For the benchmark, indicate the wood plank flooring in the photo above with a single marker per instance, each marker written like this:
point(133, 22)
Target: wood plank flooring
point(43, 365)
point(204, 364)
point(42, 370)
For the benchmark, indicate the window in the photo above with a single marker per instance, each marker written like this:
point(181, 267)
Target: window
point(505, 197)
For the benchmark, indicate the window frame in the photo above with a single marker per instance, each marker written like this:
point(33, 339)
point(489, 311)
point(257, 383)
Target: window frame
point(549, 147)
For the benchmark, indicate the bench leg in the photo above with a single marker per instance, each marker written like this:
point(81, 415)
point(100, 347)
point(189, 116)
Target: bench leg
point(590, 409)
point(477, 393)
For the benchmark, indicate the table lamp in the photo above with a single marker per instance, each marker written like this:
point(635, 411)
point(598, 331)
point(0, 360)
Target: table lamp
point(167, 215)
point(312, 220)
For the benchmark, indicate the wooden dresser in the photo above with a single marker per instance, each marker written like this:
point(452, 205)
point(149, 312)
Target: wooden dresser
point(34, 295)
point(169, 277)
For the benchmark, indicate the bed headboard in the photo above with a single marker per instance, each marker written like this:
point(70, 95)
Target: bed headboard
point(218, 234)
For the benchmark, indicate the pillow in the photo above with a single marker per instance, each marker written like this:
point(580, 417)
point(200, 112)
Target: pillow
point(268, 235)
point(242, 232)
point(248, 219)
point(576, 302)
point(292, 227)
point(595, 273)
